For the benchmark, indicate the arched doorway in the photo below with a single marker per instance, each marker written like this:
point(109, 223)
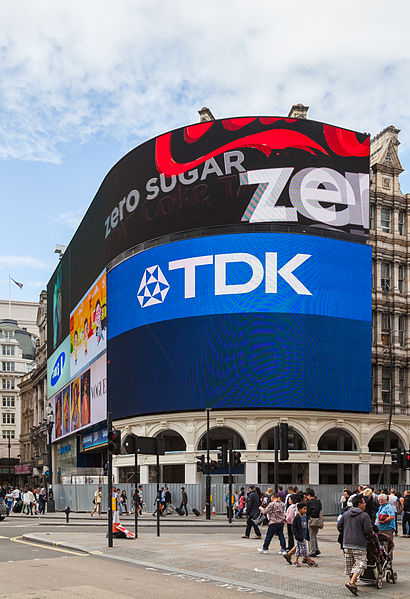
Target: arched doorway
point(289, 472)
point(174, 444)
point(343, 471)
point(379, 443)
point(219, 436)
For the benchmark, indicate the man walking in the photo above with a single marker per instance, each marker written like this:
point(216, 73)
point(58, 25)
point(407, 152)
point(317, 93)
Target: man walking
point(184, 502)
point(252, 513)
point(276, 515)
point(168, 501)
point(356, 528)
point(314, 516)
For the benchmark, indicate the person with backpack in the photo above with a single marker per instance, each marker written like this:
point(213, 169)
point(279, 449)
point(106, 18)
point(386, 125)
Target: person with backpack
point(315, 521)
point(405, 502)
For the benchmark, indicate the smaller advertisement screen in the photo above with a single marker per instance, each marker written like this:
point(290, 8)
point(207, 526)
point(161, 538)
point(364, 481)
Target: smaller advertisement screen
point(87, 326)
point(58, 368)
point(58, 304)
point(83, 402)
point(95, 438)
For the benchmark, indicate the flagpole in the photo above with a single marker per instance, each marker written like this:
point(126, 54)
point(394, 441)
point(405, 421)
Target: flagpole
point(9, 300)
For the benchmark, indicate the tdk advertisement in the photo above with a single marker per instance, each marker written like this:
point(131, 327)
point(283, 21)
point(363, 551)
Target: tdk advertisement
point(252, 320)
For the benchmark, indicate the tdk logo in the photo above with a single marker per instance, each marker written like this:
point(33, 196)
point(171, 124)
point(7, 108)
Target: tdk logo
point(57, 369)
point(154, 286)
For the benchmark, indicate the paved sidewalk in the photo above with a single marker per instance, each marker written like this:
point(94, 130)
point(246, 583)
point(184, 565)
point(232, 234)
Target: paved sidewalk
point(229, 559)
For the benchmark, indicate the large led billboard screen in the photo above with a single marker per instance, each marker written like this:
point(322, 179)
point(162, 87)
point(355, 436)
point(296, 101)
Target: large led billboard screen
point(246, 171)
point(255, 320)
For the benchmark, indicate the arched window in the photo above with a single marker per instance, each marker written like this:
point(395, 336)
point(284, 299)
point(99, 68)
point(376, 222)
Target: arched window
point(266, 441)
point(173, 441)
point(379, 442)
point(337, 439)
point(220, 436)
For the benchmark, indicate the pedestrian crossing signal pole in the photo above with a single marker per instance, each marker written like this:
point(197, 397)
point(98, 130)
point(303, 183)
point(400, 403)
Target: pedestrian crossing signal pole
point(109, 458)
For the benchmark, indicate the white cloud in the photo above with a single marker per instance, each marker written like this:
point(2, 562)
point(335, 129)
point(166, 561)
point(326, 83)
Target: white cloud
point(69, 220)
point(21, 261)
point(131, 68)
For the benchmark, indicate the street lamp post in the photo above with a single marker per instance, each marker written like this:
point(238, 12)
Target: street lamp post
point(9, 448)
point(50, 425)
point(208, 469)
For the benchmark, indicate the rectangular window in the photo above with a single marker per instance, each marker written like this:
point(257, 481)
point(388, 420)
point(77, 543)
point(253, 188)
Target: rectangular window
point(402, 222)
point(386, 276)
point(402, 330)
point(386, 385)
point(8, 350)
point(402, 387)
point(8, 434)
point(8, 402)
point(385, 329)
point(374, 327)
point(9, 384)
point(8, 419)
point(402, 278)
point(8, 366)
point(386, 220)
point(371, 216)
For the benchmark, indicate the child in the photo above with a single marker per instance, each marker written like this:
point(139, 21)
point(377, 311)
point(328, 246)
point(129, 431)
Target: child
point(301, 533)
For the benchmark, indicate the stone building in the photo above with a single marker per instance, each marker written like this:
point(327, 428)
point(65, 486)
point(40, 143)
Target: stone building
point(17, 350)
point(33, 392)
point(331, 447)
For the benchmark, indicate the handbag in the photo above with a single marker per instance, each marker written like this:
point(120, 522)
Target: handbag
point(318, 522)
point(258, 519)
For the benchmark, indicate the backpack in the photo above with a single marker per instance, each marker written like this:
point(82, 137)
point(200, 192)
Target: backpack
point(290, 514)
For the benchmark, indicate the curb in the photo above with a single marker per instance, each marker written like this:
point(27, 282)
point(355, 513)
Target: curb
point(63, 545)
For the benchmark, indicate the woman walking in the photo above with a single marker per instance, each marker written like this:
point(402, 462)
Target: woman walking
point(97, 502)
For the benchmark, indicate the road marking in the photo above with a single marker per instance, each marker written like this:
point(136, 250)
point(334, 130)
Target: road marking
point(44, 546)
point(3, 537)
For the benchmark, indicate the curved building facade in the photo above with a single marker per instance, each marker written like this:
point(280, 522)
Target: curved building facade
point(229, 267)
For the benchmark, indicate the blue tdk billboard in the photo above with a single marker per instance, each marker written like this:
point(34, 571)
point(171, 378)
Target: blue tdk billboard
point(252, 320)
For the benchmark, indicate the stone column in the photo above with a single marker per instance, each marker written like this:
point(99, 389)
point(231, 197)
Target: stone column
point(116, 474)
point(251, 473)
point(364, 473)
point(313, 473)
point(144, 475)
point(190, 474)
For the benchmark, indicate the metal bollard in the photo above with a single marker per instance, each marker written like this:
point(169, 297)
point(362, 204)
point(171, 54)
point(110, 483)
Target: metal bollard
point(67, 514)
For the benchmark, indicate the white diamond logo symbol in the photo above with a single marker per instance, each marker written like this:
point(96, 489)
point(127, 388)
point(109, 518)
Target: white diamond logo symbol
point(153, 288)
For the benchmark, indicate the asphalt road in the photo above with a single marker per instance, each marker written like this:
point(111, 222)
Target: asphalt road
point(32, 571)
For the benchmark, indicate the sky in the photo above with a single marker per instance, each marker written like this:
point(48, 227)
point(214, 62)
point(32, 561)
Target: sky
point(82, 83)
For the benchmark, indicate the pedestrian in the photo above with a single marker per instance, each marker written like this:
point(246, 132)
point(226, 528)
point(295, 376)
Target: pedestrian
point(184, 502)
point(124, 503)
point(371, 506)
point(344, 500)
point(300, 531)
point(356, 527)
point(27, 501)
point(97, 502)
point(385, 517)
point(315, 521)
point(252, 513)
point(168, 501)
point(289, 517)
point(137, 499)
point(276, 516)
point(241, 504)
point(42, 501)
point(281, 493)
point(405, 502)
point(394, 501)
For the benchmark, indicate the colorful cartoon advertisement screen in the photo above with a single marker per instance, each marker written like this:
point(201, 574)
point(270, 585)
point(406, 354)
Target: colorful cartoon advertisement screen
point(255, 320)
point(83, 402)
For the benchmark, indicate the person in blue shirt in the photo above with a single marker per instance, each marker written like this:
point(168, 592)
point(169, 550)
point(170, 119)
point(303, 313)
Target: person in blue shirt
point(385, 517)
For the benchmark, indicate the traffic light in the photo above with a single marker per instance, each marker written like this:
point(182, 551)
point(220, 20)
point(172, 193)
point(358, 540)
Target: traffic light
point(286, 441)
point(214, 465)
point(129, 444)
point(222, 456)
point(114, 442)
point(236, 458)
point(406, 460)
point(397, 457)
point(200, 463)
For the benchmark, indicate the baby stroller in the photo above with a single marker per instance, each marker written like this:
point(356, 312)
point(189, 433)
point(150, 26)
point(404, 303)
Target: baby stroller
point(379, 561)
